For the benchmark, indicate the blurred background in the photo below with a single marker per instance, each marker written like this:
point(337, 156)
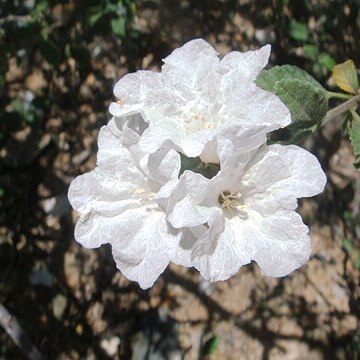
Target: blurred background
point(59, 61)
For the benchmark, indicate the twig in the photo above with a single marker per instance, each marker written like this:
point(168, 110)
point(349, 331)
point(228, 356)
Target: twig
point(342, 108)
point(14, 330)
point(17, 18)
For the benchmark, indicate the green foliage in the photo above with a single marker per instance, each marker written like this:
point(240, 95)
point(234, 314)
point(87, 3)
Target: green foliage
point(301, 93)
point(326, 31)
point(35, 28)
point(118, 26)
point(28, 112)
point(311, 52)
point(353, 252)
point(322, 62)
point(354, 133)
point(327, 61)
point(268, 78)
point(208, 170)
point(211, 346)
point(298, 31)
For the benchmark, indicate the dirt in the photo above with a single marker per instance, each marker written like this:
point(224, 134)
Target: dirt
point(74, 304)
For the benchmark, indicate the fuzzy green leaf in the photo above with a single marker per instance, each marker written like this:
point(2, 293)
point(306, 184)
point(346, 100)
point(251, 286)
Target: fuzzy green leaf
point(268, 78)
point(299, 91)
point(307, 104)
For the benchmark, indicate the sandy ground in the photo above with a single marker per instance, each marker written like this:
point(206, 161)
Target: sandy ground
point(74, 304)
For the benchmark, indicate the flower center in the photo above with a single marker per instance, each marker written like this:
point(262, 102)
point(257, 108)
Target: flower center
point(231, 201)
point(198, 121)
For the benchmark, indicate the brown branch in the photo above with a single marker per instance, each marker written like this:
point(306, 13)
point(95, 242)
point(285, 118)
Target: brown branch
point(342, 108)
point(14, 330)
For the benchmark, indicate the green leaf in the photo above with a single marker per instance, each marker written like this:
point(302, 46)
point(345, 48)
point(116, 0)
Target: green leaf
point(118, 26)
point(17, 106)
point(211, 345)
point(298, 136)
point(94, 14)
point(268, 78)
point(299, 91)
point(354, 134)
point(132, 8)
point(307, 105)
point(311, 52)
point(111, 8)
point(197, 166)
point(298, 31)
point(348, 246)
point(40, 8)
point(326, 60)
point(345, 77)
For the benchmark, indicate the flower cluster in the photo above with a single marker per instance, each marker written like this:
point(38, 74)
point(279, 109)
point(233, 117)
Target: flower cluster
point(184, 173)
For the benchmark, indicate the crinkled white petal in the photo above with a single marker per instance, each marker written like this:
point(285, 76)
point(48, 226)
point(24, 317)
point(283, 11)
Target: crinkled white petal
point(278, 175)
point(131, 91)
point(196, 97)
point(223, 262)
point(164, 193)
point(186, 214)
point(249, 63)
point(250, 105)
point(243, 237)
point(142, 247)
point(133, 128)
point(156, 135)
point(114, 160)
point(164, 165)
point(98, 197)
point(191, 55)
point(98, 222)
point(264, 229)
point(87, 190)
point(181, 254)
point(116, 204)
point(208, 240)
point(190, 185)
point(282, 243)
point(236, 144)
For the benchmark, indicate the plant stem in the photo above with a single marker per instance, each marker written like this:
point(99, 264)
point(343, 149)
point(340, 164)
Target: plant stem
point(341, 109)
point(355, 115)
point(17, 334)
point(331, 94)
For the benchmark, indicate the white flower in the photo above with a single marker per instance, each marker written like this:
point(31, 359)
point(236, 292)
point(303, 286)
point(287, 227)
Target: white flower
point(198, 102)
point(247, 212)
point(116, 203)
point(202, 106)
